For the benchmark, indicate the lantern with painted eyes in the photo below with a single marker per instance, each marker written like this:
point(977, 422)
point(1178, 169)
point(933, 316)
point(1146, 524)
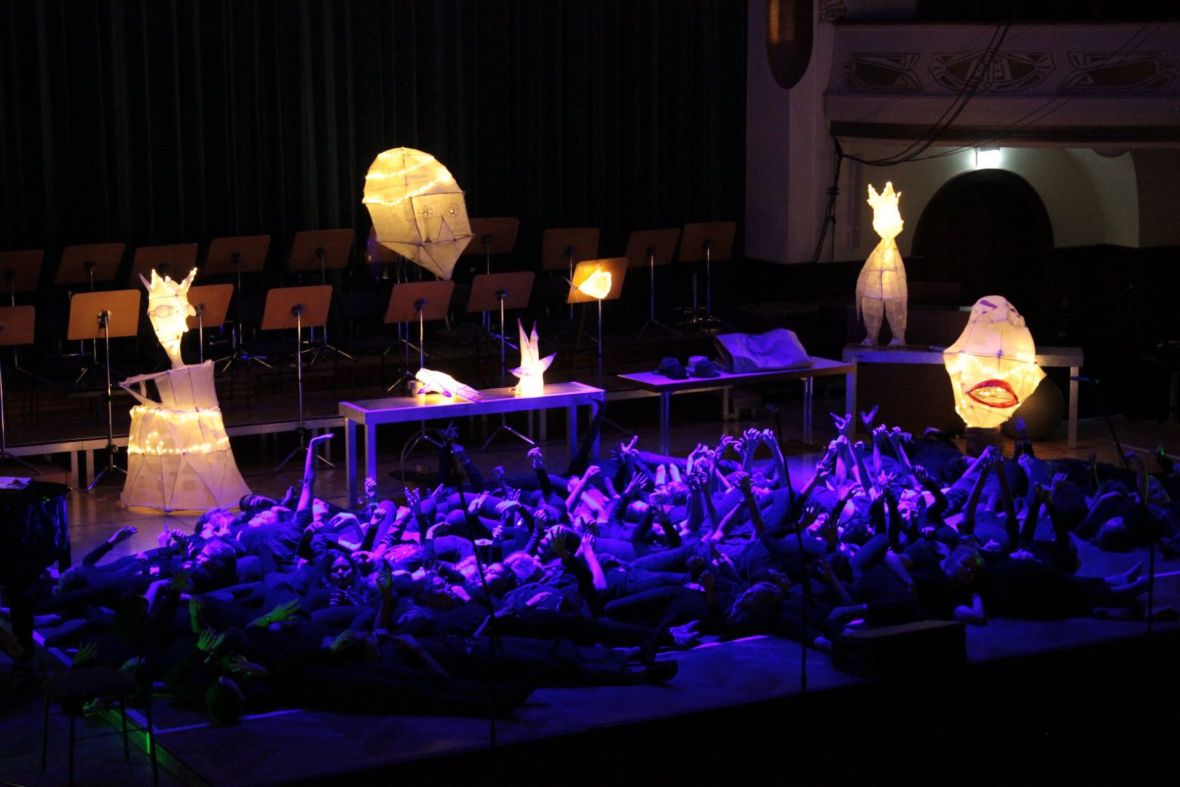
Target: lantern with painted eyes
point(992, 365)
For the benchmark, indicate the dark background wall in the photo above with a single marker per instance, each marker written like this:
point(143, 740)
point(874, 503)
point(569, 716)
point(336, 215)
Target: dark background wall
point(159, 121)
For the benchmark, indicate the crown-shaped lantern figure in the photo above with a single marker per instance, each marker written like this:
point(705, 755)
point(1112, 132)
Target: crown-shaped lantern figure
point(169, 310)
point(532, 366)
point(881, 290)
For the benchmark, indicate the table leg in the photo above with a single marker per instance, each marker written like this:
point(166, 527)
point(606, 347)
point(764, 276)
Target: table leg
point(89, 456)
point(850, 402)
point(571, 429)
point(350, 459)
point(1072, 441)
point(665, 425)
point(371, 451)
point(594, 446)
point(808, 391)
point(73, 469)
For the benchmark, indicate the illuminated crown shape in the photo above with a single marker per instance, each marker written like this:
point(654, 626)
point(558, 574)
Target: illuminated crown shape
point(163, 287)
point(886, 199)
point(532, 366)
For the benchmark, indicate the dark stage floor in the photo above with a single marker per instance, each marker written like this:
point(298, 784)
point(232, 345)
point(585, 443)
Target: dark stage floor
point(1037, 700)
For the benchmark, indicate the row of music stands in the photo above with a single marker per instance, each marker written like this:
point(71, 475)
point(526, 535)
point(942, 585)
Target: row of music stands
point(708, 242)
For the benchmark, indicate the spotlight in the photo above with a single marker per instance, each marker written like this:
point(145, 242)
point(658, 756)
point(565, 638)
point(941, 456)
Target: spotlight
point(988, 158)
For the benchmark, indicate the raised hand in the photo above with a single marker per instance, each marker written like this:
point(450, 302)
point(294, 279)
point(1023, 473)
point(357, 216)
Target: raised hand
point(209, 641)
point(868, 416)
point(122, 534)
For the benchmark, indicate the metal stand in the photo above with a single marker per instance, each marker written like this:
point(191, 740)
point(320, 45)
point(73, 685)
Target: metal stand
point(323, 346)
point(708, 242)
point(501, 294)
point(235, 331)
point(104, 318)
point(423, 434)
point(301, 430)
point(651, 319)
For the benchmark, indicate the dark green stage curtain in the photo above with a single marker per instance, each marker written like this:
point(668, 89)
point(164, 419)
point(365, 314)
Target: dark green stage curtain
point(160, 121)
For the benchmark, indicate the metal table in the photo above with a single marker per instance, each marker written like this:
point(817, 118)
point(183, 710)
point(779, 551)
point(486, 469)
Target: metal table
point(371, 413)
point(1051, 357)
point(665, 387)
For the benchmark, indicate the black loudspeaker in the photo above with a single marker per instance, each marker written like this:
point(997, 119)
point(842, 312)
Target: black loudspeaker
point(901, 650)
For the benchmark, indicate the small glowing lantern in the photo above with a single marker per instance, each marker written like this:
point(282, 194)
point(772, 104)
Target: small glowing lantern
point(597, 284)
point(418, 209)
point(178, 453)
point(992, 365)
point(531, 371)
point(881, 287)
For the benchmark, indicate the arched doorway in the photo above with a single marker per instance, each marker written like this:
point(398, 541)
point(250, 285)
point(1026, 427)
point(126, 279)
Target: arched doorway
point(989, 231)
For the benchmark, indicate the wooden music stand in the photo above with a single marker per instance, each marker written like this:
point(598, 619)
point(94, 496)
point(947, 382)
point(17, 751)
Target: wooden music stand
point(175, 260)
point(19, 270)
point(105, 315)
point(90, 263)
point(418, 301)
point(321, 250)
point(212, 304)
point(298, 308)
point(16, 329)
point(706, 241)
point(617, 268)
point(237, 255)
point(324, 250)
point(492, 236)
point(562, 249)
point(652, 248)
point(501, 291)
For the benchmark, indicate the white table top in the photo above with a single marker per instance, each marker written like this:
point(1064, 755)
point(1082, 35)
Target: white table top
point(918, 354)
point(401, 409)
point(820, 367)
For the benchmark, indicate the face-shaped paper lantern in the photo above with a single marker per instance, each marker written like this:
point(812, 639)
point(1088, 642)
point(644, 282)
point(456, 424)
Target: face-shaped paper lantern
point(532, 366)
point(992, 365)
point(169, 310)
point(418, 209)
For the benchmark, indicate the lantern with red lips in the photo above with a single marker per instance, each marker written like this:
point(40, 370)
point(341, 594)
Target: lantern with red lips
point(992, 365)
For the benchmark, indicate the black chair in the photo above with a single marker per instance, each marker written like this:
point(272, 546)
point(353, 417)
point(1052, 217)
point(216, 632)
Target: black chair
point(72, 689)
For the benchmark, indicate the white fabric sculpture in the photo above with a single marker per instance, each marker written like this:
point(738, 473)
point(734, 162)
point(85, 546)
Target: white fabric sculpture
point(430, 381)
point(178, 454)
point(881, 287)
point(992, 365)
point(531, 372)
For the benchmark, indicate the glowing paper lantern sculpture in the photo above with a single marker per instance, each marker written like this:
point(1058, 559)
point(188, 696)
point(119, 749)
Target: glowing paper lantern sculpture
point(532, 366)
point(178, 454)
point(992, 365)
point(430, 381)
point(597, 285)
point(417, 209)
point(881, 287)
